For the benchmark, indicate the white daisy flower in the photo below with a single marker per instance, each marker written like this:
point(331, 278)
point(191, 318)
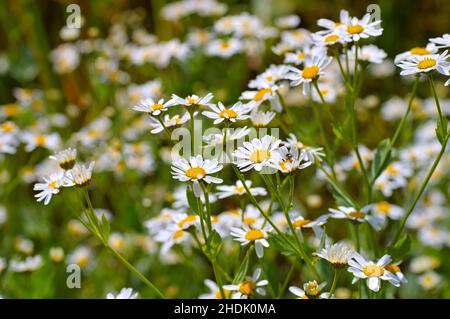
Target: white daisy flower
point(429, 280)
point(257, 154)
point(169, 121)
point(299, 222)
point(361, 28)
point(81, 174)
point(184, 221)
point(288, 22)
point(269, 77)
point(307, 52)
point(33, 140)
point(385, 209)
point(152, 107)
point(368, 53)
point(256, 98)
point(328, 92)
point(224, 48)
point(416, 52)
point(426, 63)
point(125, 293)
point(337, 254)
point(51, 186)
point(311, 290)
point(248, 287)
point(8, 144)
point(66, 158)
point(192, 100)
point(373, 272)
point(214, 291)
point(316, 152)
point(247, 235)
point(196, 170)
point(172, 236)
point(312, 70)
point(332, 26)
point(30, 263)
point(225, 191)
point(356, 215)
point(322, 39)
point(291, 160)
point(442, 42)
point(261, 119)
point(220, 113)
point(395, 270)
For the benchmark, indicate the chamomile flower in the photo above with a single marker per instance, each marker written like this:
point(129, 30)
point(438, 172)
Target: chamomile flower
point(289, 161)
point(361, 28)
point(332, 26)
point(312, 70)
point(337, 254)
point(152, 107)
point(66, 159)
point(287, 22)
point(385, 209)
point(300, 56)
point(51, 186)
point(81, 174)
point(327, 91)
point(257, 236)
point(357, 215)
point(373, 272)
point(442, 42)
point(184, 221)
point(311, 290)
point(299, 222)
point(257, 154)
point(125, 293)
point(395, 270)
point(195, 170)
point(261, 119)
point(34, 140)
point(315, 152)
point(368, 53)
point(172, 236)
point(416, 52)
point(224, 48)
point(8, 144)
point(425, 64)
point(31, 263)
point(429, 280)
point(256, 98)
point(168, 121)
point(269, 77)
point(225, 191)
point(328, 39)
point(249, 287)
point(215, 292)
point(220, 113)
point(192, 101)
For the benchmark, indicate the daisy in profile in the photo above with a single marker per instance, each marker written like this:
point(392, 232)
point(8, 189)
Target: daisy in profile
point(257, 154)
point(257, 236)
point(416, 52)
point(256, 98)
point(306, 52)
point(361, 28)
point(81, 174)
point(395, 269)
point(184, 221)
point(195, 170)
point(192, 101)
point(357, 215)
point(249, 287)
point(289, 161)
point(220, 113)
point(261, 119)
point(152, 107)
point(66, 159)
point(51, 186)
point(225, 191)
point(172, 236)
point(269, 77)
point(125, 293)
point(425, 64)
point(311, 290)
point(168, 121)
point(215, 292)
point(368, 53)
point(328, 39)
point(312, 70)
point(373, 272)
point(442, 42)
point(337, 254)
point(316, 152)
point(34, 140)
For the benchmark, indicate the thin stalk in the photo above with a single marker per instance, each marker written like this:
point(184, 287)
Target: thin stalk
point(286, 281)
point(333, 285)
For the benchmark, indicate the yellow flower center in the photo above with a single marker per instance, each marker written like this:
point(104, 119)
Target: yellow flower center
point(178, 234)
point(254, 234)
point(269, 78)
point(373, 271)
point(259, 156)
point(311, 72)
point(192, 100)
point(393, 268)
point(239, 189)
point(249, 220)
point(419, 51)
point(331, 38)
point(247, 287)
point(355, 29)
point(426, 63)
point(40, 140)
point(196, 173)
point(299, 223)
point(301, 55)
point(283, 164)
point(226, 292)
point(356, 214)
point(82, 261)
point(188, 219)
point(228, 114)
point(392, 170)
point(384, 207)
point(11, 109)
point(157, 106)
point(52, 185)
point(7, 127)
point(224, 45)
point(261, 93)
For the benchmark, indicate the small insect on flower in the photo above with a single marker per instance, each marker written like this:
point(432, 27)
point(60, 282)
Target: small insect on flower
point(125, 293)
point(373, 272)
point(312, 70)
point(151, 107)
point(337, 254)
point(239, 189)
point(220, 113)
point(311, 290)
point(289, 161)
point(192, 100)
point(80, 174)
point(248, 287)
point(51, 186)
point(196, 170)
point(424, 64)
point(257, 154)
point(66, 158)
point(247, 235)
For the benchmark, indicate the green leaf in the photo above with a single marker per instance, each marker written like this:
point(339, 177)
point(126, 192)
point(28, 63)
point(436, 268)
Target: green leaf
point(441, 130)
point(281, 243)
point(192, 200)
point(381, 158)
point(339, 195)
point(401, 249)
point(212, 246)
point(243, 268)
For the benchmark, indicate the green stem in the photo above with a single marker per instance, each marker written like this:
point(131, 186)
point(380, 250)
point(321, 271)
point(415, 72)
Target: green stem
point(333, 285)
point(207, 206)
point(286, 281)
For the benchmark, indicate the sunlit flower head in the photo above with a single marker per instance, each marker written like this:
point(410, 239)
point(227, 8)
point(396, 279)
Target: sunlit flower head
point(257, 154)
point(426, 63)
point(337, 254)
point(248, 287)
point(220, 113)
point(312, 70)
point(66, 158)
point(152, 107)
